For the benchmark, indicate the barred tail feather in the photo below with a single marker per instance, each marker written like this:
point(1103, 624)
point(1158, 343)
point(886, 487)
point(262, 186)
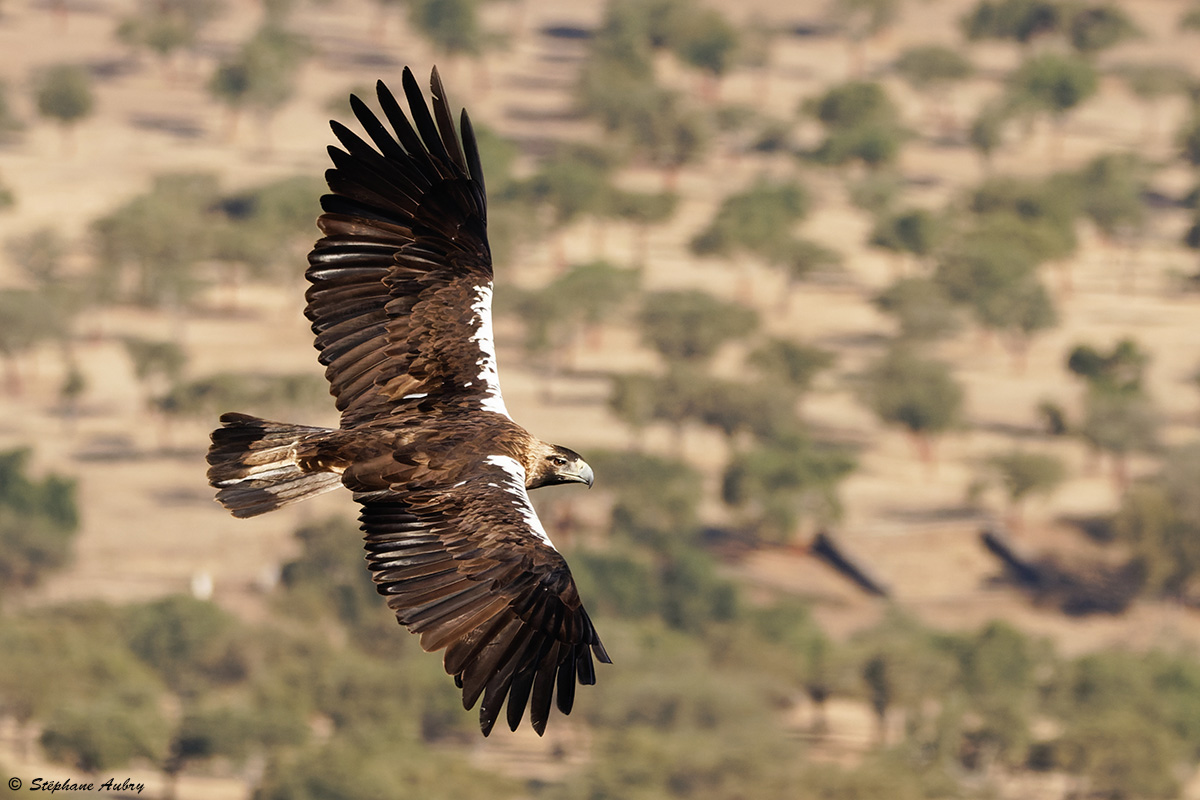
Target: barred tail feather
point(253, 465)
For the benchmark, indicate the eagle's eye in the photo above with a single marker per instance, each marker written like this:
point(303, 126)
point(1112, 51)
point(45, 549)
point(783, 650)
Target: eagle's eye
point(558, 461)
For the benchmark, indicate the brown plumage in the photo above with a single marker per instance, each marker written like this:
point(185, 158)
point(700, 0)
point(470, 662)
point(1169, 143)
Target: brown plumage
point(400, 304)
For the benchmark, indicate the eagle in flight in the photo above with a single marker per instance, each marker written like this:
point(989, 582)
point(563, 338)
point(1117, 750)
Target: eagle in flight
point(400, 302)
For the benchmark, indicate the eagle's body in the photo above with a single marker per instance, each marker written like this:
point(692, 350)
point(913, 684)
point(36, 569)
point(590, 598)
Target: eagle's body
point(400, 303)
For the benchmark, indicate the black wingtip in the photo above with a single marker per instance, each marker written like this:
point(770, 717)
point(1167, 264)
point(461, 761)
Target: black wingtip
point(486, 723)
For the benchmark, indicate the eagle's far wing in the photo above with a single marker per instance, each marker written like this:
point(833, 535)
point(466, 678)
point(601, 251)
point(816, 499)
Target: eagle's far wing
point(469, 568)
point(400, 300)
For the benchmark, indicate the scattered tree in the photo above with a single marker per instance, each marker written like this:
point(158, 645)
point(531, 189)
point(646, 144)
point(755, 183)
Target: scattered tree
point(63, 94)
point(917, 232)
point(452, 26)
point(1017, 20)
point(157, 365)
point(192, 644)
point(785, 481)
point(860, 20)
point(40, 255)
point(260, 77)
point(1160, 520)
point(917, 394)
point(1093, 29)
point(1120, 424)
point(986, 134)
point(709, 43)
point(862, 124)
point(38, 521)
point(933, 70)
point(1023, 474)
point(149, 248)
point(166, 27)
point(921, 307)
point(1053, 84)
point(690, 326)
point(28, 318)
point(1111, 188)
point(790, 364)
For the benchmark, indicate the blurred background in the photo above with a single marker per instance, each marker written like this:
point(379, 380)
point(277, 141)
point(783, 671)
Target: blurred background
point(879, 321)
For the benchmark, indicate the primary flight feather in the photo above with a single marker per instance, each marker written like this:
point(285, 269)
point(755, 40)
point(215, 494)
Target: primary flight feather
point(400, 303)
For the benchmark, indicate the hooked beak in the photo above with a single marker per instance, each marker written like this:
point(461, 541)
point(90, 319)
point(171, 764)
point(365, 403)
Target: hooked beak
point(580, 473)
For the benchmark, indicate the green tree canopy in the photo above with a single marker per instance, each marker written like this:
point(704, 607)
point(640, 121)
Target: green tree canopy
point(1024, 473)
point(106, 733)
point(452, 26)
point(784, 481)
point(1093, 29)
point(1053, 83)
point(1120, 423)
point(1017, 20)
point(707, 42)
point(655, 499)
point(991, 271)
point(63, 93)
point(1111, 193)
point(165, 27)
point(986, 132)
point(1188, 138)
point(765, 410)
point(789, 364)
point(852, 104)
point(931, 68)
point(191, 643)
point(690, 326)
point(921, 307)
point(572, 306)
point(759, 221)
point(28, 318)
point(261, 75)
point(269, 228)
point(149, 248)
point(38, 521)
point(362, 768)
point(917, 231)
point(667, 133)
point(594, 291)
point(1120, 370)
point(861, 122)
point(155, 361)
point(40, 255)
point(328, 578)
point(1036, 216)
point(920, 395)
point(572, 183)
point(1160, 519)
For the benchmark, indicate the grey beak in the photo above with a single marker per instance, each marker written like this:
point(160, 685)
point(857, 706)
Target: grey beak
point(585, 474)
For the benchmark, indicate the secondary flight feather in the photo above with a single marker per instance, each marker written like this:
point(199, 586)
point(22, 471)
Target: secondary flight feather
point(400, 304)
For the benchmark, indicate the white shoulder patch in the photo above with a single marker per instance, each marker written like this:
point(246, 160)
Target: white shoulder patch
point(489, 374)
point(514, 484)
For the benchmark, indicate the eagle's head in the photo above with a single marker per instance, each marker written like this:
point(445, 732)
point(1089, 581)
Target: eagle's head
point(555, 465)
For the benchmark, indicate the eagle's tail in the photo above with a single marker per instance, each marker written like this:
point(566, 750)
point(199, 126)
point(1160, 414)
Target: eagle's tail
point(253, 465)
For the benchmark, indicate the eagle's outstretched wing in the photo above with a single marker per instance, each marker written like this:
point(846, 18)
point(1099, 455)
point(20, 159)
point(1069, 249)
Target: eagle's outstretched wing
point(401, 290)
point(468, 566)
